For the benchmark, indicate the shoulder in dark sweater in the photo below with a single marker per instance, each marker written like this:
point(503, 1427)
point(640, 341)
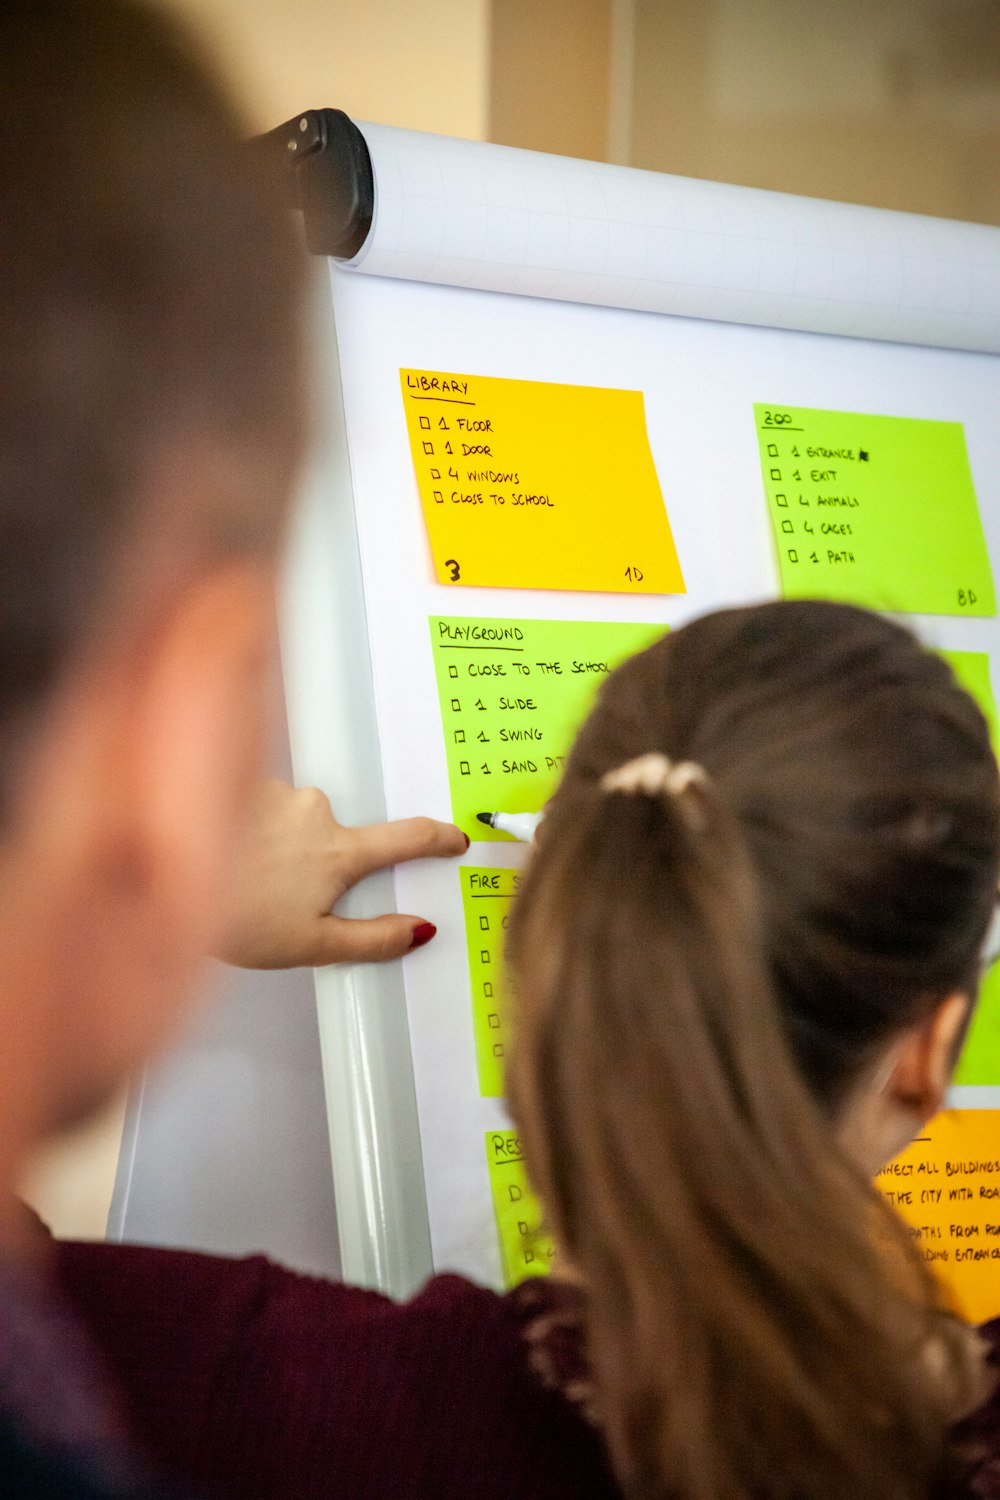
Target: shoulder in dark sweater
point(248, 1379)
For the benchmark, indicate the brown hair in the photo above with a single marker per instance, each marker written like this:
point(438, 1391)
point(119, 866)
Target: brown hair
point(700, 979)
point(150, 305)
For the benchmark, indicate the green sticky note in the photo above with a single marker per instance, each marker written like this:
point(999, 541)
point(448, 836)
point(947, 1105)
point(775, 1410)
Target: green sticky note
point(486, 899)
point(874, 510)
point(525, 1250)
point(972, 668)
point(513, 694)
point(980, 1059)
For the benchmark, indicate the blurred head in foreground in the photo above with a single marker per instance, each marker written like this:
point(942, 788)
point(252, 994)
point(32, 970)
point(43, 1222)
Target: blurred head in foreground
point(744, 957)
point(150, 369)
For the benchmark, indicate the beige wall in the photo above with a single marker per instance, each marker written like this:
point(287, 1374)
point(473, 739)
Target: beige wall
point(830, 98)
point(549, 75)
point(896, 104)
point(394, 61)
point(70, 1183)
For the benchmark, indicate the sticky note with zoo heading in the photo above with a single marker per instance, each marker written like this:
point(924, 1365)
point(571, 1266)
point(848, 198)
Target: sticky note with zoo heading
point(531, 484)
point(874, 510)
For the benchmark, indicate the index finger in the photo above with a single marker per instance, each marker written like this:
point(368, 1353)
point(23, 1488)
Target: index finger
point(380, 845)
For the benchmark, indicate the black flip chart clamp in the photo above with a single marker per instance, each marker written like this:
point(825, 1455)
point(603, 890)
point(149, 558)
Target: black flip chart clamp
point(324, 164)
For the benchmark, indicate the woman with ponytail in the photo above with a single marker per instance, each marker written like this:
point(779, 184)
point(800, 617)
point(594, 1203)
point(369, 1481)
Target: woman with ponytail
point(744, 958)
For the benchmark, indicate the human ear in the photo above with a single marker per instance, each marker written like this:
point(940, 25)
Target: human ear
point(908, 1085)
point(925, 1060)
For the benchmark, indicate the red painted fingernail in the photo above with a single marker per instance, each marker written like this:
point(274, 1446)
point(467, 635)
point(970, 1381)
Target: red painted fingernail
point(468, 841)
point(422, 933)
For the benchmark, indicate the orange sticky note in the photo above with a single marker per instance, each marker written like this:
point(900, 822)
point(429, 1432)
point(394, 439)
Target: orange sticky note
point(946, 1185)
point(528, 484)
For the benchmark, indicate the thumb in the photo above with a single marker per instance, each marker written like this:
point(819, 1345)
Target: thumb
point(359, 940)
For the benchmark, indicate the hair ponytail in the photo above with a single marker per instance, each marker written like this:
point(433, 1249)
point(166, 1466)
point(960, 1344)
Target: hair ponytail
point(757, 1319)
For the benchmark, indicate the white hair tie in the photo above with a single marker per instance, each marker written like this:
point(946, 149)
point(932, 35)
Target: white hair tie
point(654, 775)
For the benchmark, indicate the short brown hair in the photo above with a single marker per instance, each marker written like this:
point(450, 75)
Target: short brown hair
point(700, 980)
point(150, 292)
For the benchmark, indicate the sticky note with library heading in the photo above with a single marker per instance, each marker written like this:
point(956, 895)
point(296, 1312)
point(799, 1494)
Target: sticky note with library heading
point(946, 1185)
point(487, 895)
point(525, 1249)
point(874, 510)
point(532, 485)
point(513, 694)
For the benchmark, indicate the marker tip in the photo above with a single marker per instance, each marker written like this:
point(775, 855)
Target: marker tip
point(486, 818)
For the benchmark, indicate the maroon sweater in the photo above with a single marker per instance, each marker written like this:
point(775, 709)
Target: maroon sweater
point(246, 1380)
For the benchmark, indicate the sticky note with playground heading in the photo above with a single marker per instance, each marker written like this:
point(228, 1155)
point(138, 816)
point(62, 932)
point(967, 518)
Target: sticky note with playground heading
point(513, 694)
point(528, 484)
point(487, 895)
point(874, 510)
point(946, 1185)
point(525, 1249)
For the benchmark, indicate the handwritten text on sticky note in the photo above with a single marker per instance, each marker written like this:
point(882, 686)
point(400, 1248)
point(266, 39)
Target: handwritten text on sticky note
point(874, 510)
point(525, 1250)
point(486, 901)
point(513, 694)
point(947, 1188)
point(528, 484)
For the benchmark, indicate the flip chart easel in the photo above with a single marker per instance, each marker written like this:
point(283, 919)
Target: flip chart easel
point(666, 317)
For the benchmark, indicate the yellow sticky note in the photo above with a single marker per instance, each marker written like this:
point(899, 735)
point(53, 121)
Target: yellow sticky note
point(532, 485)
point(874, 510)
point(947, 1188)
point(513, 694)
point(487, 895)
point(525, 1250)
